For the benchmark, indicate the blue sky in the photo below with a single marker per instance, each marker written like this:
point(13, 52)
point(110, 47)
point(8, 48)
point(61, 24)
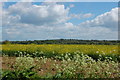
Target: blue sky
point(96, 8)
point(78, 20)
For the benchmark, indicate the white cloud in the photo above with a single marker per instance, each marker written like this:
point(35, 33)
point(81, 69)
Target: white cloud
point(23, 21)
point(39, 14)
point(108, 20)
point(81, 16)
point(69, 25)
point(72, 5)
point(59, 1)
point(88, 15)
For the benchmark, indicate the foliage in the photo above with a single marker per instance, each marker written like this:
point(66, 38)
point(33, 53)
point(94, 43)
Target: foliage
point(69, 41)
point(76, 66)
point(22, 70)
point(85, 67)
point(52, 50)
point(66, 61)
point(24, 62)
point(6, 42)
point(23, 74)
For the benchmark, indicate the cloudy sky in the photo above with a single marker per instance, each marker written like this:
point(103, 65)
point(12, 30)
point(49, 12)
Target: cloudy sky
point(67, 20)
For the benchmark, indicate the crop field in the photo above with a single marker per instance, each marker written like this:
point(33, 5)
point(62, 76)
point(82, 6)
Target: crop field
point(33, 50)
point(60, 61)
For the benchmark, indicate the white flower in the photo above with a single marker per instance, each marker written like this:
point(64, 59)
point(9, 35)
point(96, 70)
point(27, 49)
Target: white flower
point(97, 51)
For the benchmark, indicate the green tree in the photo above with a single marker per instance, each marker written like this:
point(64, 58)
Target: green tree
point(6, 42)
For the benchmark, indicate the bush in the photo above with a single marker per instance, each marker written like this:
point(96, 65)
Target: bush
point(24, 74)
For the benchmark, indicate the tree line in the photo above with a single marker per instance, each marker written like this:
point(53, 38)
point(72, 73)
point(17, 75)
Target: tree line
point(64, 41)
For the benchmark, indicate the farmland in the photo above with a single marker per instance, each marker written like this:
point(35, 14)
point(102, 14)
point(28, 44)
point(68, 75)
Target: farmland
point(52, 50)
point(60, 61)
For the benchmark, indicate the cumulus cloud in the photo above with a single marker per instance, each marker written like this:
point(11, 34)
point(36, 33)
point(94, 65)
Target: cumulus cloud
point(108, 20)
point(38, 14)
point(26, 21)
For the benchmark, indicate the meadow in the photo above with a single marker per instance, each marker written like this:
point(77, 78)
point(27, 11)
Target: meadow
point(60, 61)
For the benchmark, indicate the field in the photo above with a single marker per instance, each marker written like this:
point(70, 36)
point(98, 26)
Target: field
point(60, 61)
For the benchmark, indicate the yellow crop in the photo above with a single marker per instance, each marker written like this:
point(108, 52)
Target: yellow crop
point(56, 48)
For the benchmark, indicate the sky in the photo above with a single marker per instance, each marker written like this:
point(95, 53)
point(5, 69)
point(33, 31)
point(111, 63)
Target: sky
point(59, 1)
point(56, 20)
